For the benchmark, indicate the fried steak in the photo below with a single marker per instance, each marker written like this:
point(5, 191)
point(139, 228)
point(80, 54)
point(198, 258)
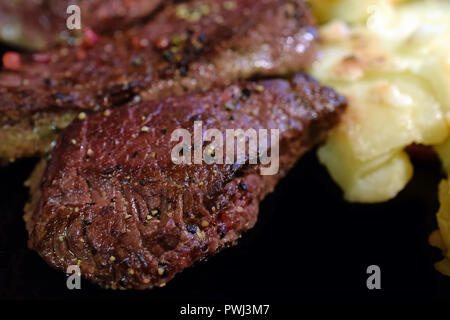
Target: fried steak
point(39, 24)
point(186, 47)
point(112, 201)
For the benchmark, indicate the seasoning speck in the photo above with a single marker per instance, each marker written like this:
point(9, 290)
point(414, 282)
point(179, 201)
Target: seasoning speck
point(191, 228)
point(205, 9)
point(201, 234)
point(145, 129)
point(112, 258)
point(205, 223)
point(82, 116)
point(182, 11)
point(138, 61)
point(12, 61)
point(137, 98)
point(229, 106)
point(161, 43)
point(290, 10)
point(246, 93)
point(229, 5)
point(107, 113)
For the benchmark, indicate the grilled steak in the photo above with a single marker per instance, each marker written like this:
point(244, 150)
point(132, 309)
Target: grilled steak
point(112, 201)
point(185, 48)
point(37, 24)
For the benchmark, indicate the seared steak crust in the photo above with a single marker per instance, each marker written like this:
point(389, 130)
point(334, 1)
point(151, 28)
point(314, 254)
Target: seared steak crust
point(39, 24)
point(113, 202)
point(185, 48)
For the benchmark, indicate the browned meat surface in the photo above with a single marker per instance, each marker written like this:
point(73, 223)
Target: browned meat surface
point(112, 200)
point(186, 47)
point(37, 24)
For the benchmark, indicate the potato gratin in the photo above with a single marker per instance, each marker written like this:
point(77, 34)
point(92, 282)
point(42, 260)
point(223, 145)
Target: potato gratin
point(392, 61)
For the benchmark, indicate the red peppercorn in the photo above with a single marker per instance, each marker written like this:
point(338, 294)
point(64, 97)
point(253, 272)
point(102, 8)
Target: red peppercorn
point(11, 61)
point(139, 43)
point(90, 38)
point(162, 43)
point(226, 97)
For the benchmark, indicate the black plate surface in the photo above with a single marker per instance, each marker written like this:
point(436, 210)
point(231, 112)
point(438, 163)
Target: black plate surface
point(308, 243)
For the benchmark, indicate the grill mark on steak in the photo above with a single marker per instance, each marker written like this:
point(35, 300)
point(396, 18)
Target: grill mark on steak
point(168, 56)
point(195, 210)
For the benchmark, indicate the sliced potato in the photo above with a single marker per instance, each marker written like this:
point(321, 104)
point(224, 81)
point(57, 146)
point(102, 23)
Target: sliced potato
point(346, 10)
point(361, 181)
point(441, 238)
point(443, 151)
point(393, 65)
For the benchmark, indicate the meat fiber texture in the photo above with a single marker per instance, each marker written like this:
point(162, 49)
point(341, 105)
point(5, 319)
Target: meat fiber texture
point(112, 201)
point(186, 47)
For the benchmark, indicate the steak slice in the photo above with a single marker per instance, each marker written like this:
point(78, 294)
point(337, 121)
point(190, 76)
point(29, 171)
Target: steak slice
point(112, 201)
point(40, 24)
point(185, 48)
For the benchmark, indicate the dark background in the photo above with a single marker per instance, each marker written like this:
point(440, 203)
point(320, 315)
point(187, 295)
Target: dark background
point(308, 244)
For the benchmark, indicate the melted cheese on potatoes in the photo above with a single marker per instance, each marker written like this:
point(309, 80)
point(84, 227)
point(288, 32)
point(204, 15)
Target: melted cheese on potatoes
point(391, 59)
